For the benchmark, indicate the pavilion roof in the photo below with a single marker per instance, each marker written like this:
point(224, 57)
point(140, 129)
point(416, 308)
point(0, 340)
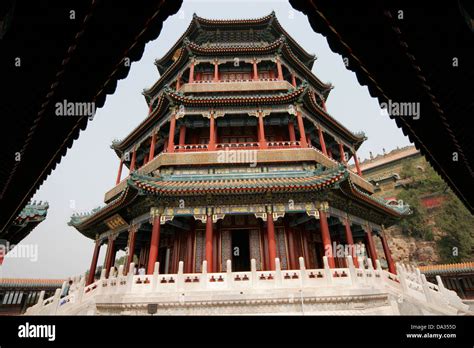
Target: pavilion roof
point(280, 45)
point(289, 96)
point(237, 183)
point(23, 283)
point(448, 269)
point(29, 217)
point(198, 23)
point(33, 211)
point(392, 156)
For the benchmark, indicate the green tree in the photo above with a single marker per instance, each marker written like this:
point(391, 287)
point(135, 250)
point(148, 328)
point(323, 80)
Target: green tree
point(458, 224)
point(451, 217)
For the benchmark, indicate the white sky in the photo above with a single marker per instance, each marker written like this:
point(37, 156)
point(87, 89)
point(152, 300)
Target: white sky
point(89, 169)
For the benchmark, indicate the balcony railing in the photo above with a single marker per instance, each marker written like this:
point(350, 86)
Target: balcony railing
point(237, 146)
point(283, 144)
point(191, 147)
point(236, 80)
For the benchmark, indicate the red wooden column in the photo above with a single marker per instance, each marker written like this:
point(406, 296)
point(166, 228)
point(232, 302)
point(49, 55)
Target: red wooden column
point(371, 244)
point(261, 131)
point(134, 160)
point(279, 69)
point(291, 246)
point(182, 134)
point(321, 141)
point(216, 71)
point(154, 244)
point(152, 147)
point(119, 174)
point(350, 241)
point(356, 160)
point(303, 142)
point(95, 257)
point(212, 132)
point(271, 240)
point(178, 82)
point(291, 130)
point(191, 72)
point(171, 134)
point(110, 256)
point(326, 237)
point(189, 262)
point(293, 80)
point(132, 236)
point(324, 104)
point(209, 240)
point(388, 254)
point(255, 70)
point(341, 153)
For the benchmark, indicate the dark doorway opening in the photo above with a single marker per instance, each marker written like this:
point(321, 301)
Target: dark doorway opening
point(240, 251)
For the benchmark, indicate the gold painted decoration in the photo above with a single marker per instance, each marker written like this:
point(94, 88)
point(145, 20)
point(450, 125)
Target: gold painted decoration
point(115, 222)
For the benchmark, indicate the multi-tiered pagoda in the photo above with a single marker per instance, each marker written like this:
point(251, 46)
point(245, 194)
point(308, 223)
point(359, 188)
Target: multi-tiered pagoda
point(238, 159)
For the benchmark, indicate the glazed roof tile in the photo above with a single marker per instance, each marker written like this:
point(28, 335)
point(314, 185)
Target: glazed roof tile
point(450, 268)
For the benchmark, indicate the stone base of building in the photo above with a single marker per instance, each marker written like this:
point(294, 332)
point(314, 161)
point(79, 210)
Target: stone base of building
point(341, 291)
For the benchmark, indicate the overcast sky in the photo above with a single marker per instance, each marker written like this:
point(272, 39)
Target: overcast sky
point(89, 169)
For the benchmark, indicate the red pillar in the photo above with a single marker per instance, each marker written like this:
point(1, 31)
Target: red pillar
point(371, 244)
point(356, 160)
point(110, 256)
point(307, 258)
point(350, 241)
point(154, 244)
point(93, 267)
point(279, 69)
point(341, 153)
point(152, 147)
point(134, 160)
point(119, 174)
point(291, 130)
point(291, 247)
point(182, 134)
point(388, 255)
point(209, 240)
point(131, 246)
point(212, 133)
point(324, 104)
point(293, 80)
point(191, 72)
point(326, 237)
point(255, 70)
point(216, 72)
point(322, 142)
point(271, 241)
point(178, 82)
point(261, 132)
point(171, 134)
point(303, 142)
point(188, 263)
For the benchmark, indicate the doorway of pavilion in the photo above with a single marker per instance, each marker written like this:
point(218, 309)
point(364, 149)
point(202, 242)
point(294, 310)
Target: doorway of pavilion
point(240, 242)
